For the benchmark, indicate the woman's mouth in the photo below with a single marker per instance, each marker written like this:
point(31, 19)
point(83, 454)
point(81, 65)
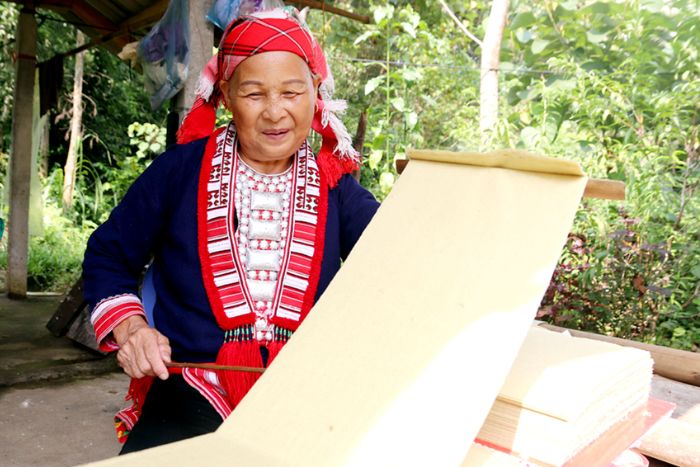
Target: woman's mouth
point(276, 133)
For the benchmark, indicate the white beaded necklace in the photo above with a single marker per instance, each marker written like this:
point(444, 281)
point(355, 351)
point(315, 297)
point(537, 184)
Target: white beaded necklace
point(262, 204)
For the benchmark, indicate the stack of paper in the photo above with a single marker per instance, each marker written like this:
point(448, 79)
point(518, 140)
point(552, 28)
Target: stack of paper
point(563, 393)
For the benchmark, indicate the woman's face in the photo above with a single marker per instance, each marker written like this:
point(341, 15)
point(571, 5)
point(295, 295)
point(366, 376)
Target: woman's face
point(272, 97)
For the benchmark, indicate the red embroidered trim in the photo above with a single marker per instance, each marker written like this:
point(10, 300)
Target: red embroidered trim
point(197, 378)
point(109, 313)
point(202, 237)
point(319, 245)
point(218, 249)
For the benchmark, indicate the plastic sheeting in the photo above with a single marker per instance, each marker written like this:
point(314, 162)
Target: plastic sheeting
point(223, 12)
point(164, 54)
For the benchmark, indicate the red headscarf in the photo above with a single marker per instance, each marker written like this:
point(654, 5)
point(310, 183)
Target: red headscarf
point(268, 31)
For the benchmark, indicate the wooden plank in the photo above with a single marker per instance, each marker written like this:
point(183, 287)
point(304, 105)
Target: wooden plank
point(68, 310)
point(674, 441)
point(676, 364)
point(595, 188)
point(371, 377)
point(21, 157)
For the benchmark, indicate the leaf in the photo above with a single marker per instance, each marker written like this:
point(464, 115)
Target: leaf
point(372, 84)
point(365, 35)
point(595, 37)
point(375, 157)
point(696, 271)
point(408, 27)
point(398, 103)
point(386, 181)
point(600, 8)
point(522, 20)
point(381, 13)
point(679, 331)
point(412, 74)
point(523, 35)
point(538, 45)
point(529, 135)
point(411, 119)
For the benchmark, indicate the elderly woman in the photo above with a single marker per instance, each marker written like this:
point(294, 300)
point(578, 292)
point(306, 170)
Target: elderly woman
point(245, 228)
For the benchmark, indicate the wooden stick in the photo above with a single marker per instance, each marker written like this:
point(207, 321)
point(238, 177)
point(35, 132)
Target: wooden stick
point(214, 366)
point(595, 187)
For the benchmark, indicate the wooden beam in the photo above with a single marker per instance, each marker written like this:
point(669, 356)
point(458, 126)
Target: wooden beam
point(322, 5)
point(21, 157)
point(85, 12)
point(595, 187)
point(140, 20)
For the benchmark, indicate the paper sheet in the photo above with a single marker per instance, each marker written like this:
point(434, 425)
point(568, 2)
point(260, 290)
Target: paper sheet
point(400, 360)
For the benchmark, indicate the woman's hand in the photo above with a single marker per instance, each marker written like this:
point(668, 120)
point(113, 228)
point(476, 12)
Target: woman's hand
point(143, 351)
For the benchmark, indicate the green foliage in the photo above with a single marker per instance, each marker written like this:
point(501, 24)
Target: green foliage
point(148, 138)
point(55, 257)
point(613, 85)
point(617, 89)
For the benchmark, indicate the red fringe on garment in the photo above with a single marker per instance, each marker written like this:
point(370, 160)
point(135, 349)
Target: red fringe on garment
point(246, 353)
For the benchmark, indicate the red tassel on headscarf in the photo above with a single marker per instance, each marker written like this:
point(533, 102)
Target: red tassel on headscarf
point(334, 167)
point(198, 123)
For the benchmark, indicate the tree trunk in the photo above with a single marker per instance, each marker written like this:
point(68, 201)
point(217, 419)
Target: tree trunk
point(76, 133)
point(490, 61)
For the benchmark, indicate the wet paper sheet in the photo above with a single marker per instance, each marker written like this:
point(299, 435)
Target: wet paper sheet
point(399, 362)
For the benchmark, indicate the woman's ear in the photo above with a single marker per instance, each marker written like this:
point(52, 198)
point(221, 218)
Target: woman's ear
point(316, 80)
point(225, 87)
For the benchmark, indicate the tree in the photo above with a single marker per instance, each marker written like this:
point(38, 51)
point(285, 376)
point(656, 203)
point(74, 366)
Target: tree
point(76, 133)
point(490, 62)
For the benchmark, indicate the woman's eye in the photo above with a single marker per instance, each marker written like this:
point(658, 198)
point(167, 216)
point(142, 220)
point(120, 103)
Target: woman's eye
point(290, 94)
point(254, 94)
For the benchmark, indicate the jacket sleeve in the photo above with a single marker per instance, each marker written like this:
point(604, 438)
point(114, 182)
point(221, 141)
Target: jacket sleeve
point(357, 207)
point(119, 249)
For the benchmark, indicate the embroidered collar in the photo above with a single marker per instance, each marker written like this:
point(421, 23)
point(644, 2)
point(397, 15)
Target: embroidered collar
point(235, 294)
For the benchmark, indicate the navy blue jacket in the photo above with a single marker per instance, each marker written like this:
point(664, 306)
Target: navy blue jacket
point(157, 219)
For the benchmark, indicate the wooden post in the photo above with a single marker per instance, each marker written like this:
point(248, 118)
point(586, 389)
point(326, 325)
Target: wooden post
point(201, 44)
point(21, 156)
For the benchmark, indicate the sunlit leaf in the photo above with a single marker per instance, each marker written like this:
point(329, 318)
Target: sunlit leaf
point(398, 103)
point(538, 45)
point(375, 157)
point(522, 20)
point(373, 83)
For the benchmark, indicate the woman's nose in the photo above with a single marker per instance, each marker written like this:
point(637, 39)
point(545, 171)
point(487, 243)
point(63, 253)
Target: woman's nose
point(274, 110)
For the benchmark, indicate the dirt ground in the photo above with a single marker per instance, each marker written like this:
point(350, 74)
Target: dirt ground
point(61, 424)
